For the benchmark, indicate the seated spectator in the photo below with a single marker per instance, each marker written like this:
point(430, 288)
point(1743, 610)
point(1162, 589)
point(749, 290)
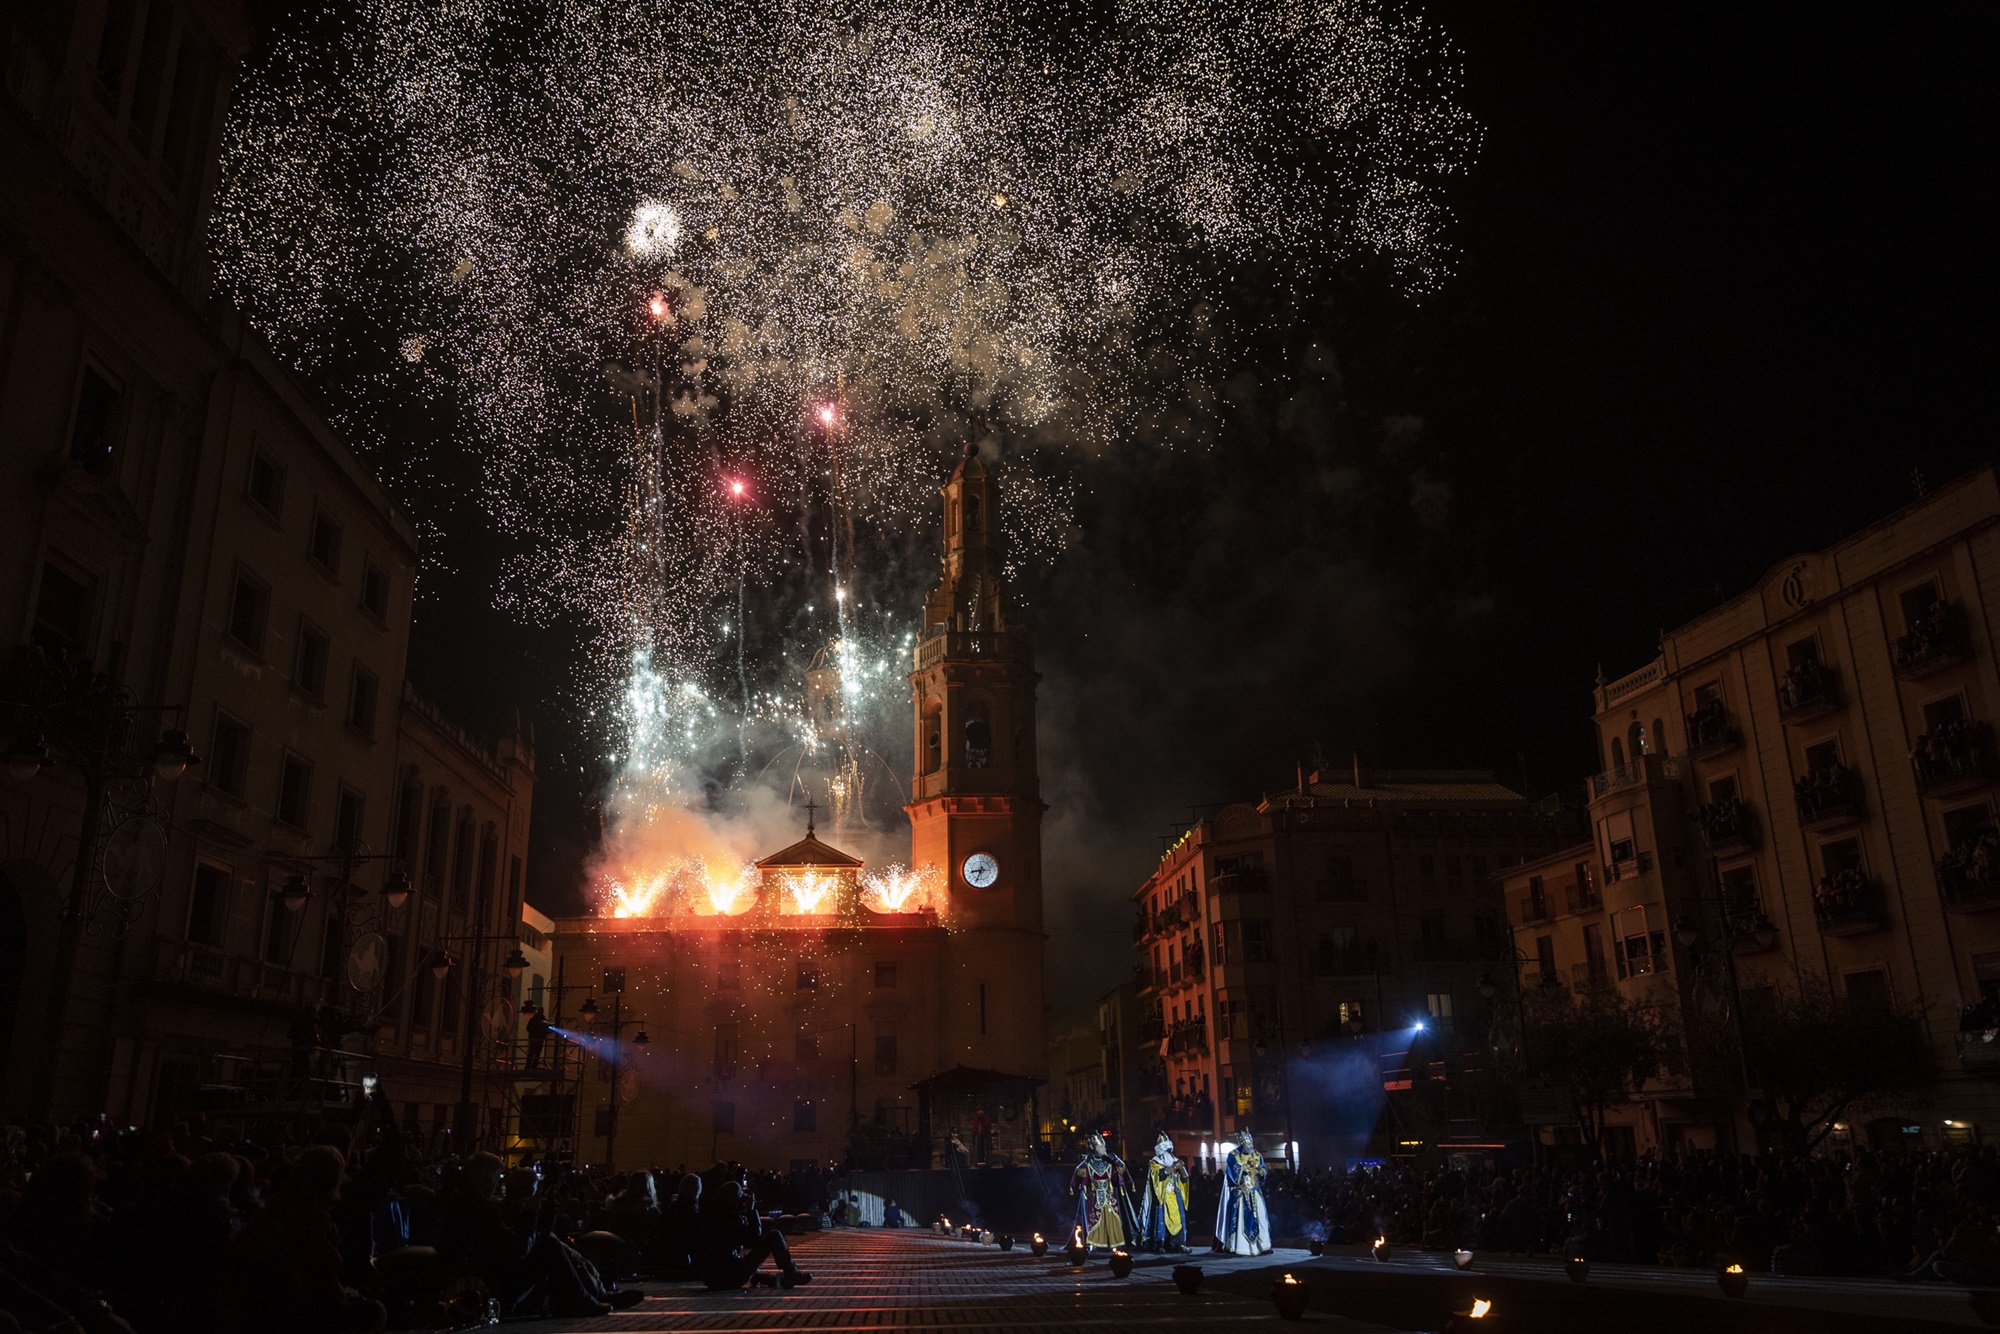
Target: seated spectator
point(732, 1244)
point(892, 1214)
point(525, 1267)
point(672, 1252)
point(283, 1269)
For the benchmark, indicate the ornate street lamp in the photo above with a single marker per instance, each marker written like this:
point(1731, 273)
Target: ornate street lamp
point(440, 965)
point(515, 964)
point(589, 1007)
point(396, 888)
point(296, 891)
point(172, 756)
point(27, 756)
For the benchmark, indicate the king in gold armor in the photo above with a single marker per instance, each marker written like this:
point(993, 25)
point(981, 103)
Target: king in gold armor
point(1163, 1209)
point(1242, 1227)
point(1103, 1199)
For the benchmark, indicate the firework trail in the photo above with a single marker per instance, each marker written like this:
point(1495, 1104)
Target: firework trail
point(647, 250)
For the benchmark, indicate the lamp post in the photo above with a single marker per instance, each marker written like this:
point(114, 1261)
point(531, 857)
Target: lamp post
point(344, 915)
point(516, 963)
point(65, 713)
point(1687, 930)
point(619, 1023)
point(1489, 988)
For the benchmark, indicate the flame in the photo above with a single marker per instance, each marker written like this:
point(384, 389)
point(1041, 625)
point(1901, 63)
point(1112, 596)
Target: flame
point(899, 889)
point(810, 892)
point(1381, 1241)
point(1078, 1241)
point(1290, 1280)
point(1480, 1306)
point(1733, 1269)
point(1038, 1236)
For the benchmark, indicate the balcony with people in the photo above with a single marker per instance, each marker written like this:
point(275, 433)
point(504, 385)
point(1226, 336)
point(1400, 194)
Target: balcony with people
point(1807, 690)
point(1582, 895)
point(1748, 927)
point(1239, 875)
point(1535, 905)
point(1726, 824)
point(1827, 794)
point(1953, 756)
point(1968, 873)
point(1936, 640)
point(1711, 730)
point(1190, 1110)
point(1979, 1037)
point(1847, 902)
point(1184, 1035)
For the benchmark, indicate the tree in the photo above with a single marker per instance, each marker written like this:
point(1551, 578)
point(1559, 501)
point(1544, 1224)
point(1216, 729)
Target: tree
point(1814, 1054)
point(1597, 1048)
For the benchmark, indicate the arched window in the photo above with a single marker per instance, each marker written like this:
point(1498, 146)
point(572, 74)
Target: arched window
point(1637, 737)
point(978, 736)
point(972, 512)
point(1617, 753)
point(1659, 737)
point(930, 742)
point(437, 846)
point(461, 861)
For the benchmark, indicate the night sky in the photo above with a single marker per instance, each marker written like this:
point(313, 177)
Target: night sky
point(1722, 283)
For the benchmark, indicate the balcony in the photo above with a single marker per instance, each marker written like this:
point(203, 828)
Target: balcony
point(1749, 928)
point(1808, 691)
point(1583, 896)
point(1330, 960)
point(1141, 928)
point(1630, 867)
point(1151, 1029)
point(1848, 904)
point(1969, 876)
point(1187, 1035)
point(1830, 795)
point(1954, 757)
point(1937, 640)
point(1535, 908)
point(1249, 879)
point(1979, 1051)
point(183, 963)
point(1644, 769)
point(1711, 731)
point(1727, 826)
point(1590, 976)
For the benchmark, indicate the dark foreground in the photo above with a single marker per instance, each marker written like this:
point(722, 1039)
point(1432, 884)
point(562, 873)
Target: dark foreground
point(916, 1281)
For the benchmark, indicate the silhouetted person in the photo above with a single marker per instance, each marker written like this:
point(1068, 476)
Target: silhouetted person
point(283, 1269)
point(538, 1037)
point(731, 1243)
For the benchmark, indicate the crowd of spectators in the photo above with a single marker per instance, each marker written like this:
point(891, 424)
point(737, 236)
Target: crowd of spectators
point(1841, 891)
point(1957, 746)
point(1824, 790)
point(1972, 862)
point(198, 1228)
point(1858, 1212)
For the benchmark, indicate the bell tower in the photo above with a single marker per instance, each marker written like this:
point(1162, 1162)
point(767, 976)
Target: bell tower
point(975, 796)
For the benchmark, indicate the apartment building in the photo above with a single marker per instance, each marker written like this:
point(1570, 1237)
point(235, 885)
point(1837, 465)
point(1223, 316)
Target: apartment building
point(192, 561)
point(1312, 965)
point(1805, 777)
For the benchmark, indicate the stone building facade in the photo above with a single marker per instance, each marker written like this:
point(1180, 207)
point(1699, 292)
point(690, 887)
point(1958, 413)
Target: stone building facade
point(1312, 963)
point(187, 547)
point(1805, 776)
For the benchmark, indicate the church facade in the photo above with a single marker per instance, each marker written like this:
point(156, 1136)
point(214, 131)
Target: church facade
point(813, 1019)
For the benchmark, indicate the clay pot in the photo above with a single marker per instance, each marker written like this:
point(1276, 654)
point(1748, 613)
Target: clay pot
point(1732, 1280)
point(1006, 1240)
point(1462, 1259)
point(1290, 1297)
point(1577, 1268)
point(1121, 1265)
point(1039, 1245)
point(1188, 1279)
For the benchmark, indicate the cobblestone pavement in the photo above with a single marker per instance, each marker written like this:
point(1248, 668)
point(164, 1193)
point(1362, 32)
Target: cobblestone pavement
point(910, 1282)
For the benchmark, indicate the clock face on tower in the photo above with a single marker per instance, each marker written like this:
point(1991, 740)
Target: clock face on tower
point(981, 870)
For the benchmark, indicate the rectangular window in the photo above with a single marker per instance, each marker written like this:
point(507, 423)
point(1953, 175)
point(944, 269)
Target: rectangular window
point(448, 1019)
point(347, 817)
point(1802, 653)
point(614, 981)
point(1341, 885)
point(249, 612)
point(1841, 858)
point(1722, 789)
point(375, 591)
point(726, 1037)
point(1825, 755)
point(1439, 1004)
point(1256, 940)
point(114, 48)
point(309, 662)
point(1431, 928)
point(208, 905)
point(409, 817)
point(729, 975)
point(724, 1122)
point(885, 1049)
point(1942, 713)
point(513, 890)
point(461, 863)
point(1640, 951)
point(295, 792)
point(93, 433)
point(1427, 868)
point(1964, 825)
point(325, 548)
point(1351, 1014)
point(806, 976)
point(152, 77)
point(1869, 987)
point(805, 1116)
point(1593, 948)
point(62, 613)
point(437, 848)
point(362, 691)
point(1917, 602)
point(191, 92)
point(267, 484)
point(885, 976)
point(1545, 957)
point(228, 755)
point(277, 930)
point(805, 1047)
